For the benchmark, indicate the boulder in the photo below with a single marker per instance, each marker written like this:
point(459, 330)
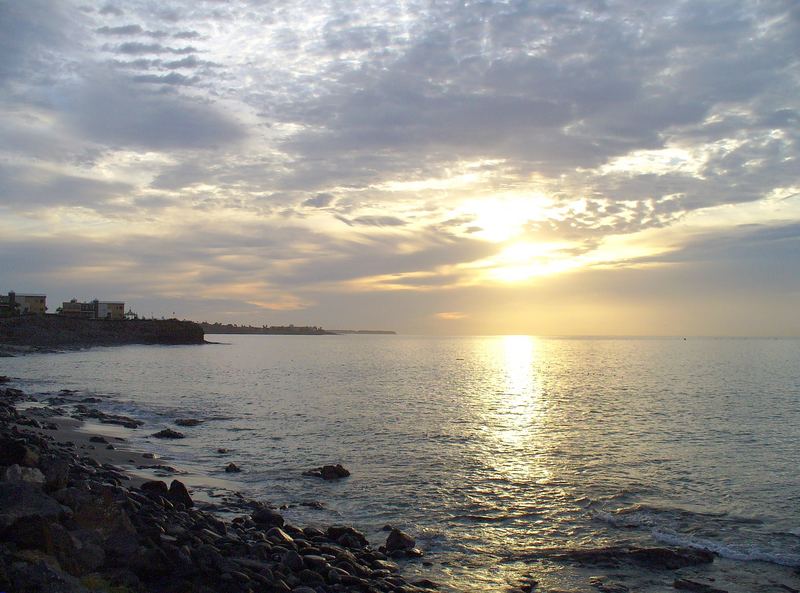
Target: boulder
point(155, 487)
point(188, 422)
point(168, 433)
point(343, 533)
point(266, 516)
point(48, 536)
point(16, 451)
point(56, 472)
point(397, 540)
point(328, 472)
point(24, 577)
point(179, 494)
point(20, 501)
point(279, 536)
point(16, 473)
point(687, 585)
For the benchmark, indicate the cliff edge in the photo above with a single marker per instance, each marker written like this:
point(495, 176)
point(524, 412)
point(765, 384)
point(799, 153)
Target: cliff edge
point(52, 331)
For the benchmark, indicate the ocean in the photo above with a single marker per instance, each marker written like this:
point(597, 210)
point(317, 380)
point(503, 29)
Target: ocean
point(494, 452)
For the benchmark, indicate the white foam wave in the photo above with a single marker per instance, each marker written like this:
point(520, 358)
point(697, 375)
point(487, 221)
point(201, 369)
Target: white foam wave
point(745, 553)
point(632, 519)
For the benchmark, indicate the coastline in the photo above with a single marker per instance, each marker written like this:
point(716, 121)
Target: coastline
point(81, 511)
point(52, 333)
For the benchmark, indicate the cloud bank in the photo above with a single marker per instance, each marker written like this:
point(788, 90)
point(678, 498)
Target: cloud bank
point(325, 164)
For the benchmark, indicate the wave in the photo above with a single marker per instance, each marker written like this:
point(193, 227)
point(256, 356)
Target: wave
point(740, 552)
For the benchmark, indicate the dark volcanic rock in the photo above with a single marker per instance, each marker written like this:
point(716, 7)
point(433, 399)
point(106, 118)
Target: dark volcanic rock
point(168, 433)
point(179, 494)
point(655, 558)
point(267, 516)
point(687, 585)
point(20, 501)
point(56, 472)
point(155, 487)
point(343, 533)
point(16, 451)
point(397, 540)
point(188, 422)
point(328, 472)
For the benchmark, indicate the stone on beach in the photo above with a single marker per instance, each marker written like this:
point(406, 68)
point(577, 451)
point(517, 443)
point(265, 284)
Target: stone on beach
point(687, 585)
point(267, 516)
point(398, 540)
point(188, 422)
point(179, 494)
point(15, 451)
point(77, 519)
point(168, 433)
point(155, 487)
point(15, 473)
point(328, 472)
point(20, 501)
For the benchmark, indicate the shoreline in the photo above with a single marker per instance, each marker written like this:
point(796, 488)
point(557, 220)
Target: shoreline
point(80, 511)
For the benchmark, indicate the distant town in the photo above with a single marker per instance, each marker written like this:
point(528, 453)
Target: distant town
point(283, 330)
point(16, 304)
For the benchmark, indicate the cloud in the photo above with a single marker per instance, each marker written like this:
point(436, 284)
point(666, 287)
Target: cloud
point(30, 187)
point(137, 47)
point(106, 108)
point(377, 221)
point(336, 151)
point(451, 315)
point(319, 201)
point(111, 9)
point(121, 30)
point(172, 78)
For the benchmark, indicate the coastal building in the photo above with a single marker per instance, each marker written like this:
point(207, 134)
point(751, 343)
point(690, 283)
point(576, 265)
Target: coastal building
point(22, 304)
point(94, 309)
point(110, 310)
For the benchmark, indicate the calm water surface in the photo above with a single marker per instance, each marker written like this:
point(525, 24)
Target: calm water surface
point(489, 449)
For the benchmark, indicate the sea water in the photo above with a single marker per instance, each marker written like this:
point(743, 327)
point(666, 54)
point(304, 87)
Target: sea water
point(492, 451)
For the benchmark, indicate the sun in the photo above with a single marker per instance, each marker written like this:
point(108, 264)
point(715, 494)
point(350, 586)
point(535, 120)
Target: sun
point(504, 217)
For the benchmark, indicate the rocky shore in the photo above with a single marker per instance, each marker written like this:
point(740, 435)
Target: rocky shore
point(73, 521)
point(19, 335)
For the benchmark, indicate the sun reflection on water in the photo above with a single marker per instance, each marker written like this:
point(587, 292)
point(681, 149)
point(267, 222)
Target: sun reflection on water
point(514, 411)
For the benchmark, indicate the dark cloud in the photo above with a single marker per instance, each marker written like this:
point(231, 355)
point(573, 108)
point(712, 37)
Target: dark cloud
point(121, 30)
point(173, 78)
point(107, 109)
point(136, 48)
point(186, 35)
point(23, 188)
point(319, 201)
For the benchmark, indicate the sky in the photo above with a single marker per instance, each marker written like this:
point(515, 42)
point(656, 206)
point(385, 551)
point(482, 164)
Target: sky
point(491, 167)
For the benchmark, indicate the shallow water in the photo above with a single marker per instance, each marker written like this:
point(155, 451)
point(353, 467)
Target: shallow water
point(489, 449)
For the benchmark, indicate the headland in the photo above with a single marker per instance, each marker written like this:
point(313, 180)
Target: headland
point(54, 332)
